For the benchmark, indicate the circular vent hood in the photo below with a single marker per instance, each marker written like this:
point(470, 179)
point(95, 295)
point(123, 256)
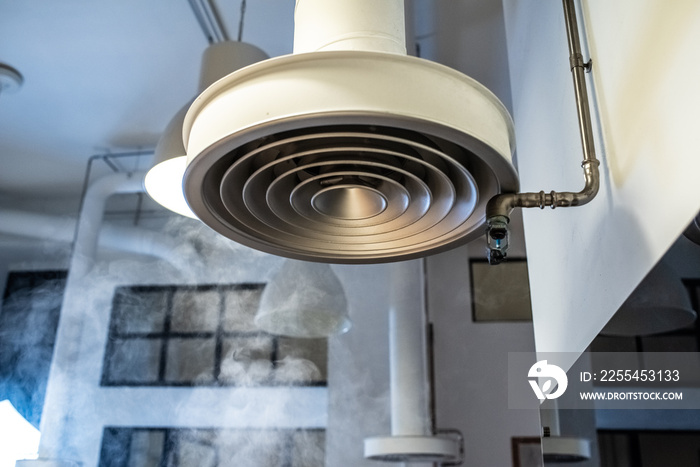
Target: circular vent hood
point(347, 156)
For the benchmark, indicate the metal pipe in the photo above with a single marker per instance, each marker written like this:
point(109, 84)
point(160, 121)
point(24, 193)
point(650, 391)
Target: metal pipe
point(499, 207)
point(209, 20)
point(241, 21)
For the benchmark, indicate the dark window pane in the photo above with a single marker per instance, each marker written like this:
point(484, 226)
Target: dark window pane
point(246, 360)
point(138, 311)
point(196, 449)
point(301, 360)
point(253, 448)
point(240, 309)
point(133, 361)
point(183, 447)
point(115, 447)
point(308, 448)
point(28, 323)
point(195, 311)
point(190, 360)
point(146, 448)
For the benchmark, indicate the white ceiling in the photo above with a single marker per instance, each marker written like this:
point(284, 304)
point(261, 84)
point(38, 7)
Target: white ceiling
point(104, 76)
point(107, 76)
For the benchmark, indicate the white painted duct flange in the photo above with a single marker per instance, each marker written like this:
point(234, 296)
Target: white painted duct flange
point(413, 449)
point(565, 449)
point(347, 156)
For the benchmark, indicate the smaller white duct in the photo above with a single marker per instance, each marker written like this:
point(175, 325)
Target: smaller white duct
point(92, 214)
point(119, 238)
point(412, 439)
point(47, 463)
point(35, 225)
point(369, 25)
point(408, 368)
point(558, 448)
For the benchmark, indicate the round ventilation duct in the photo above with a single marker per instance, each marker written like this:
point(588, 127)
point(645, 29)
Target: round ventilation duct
point(347, 151)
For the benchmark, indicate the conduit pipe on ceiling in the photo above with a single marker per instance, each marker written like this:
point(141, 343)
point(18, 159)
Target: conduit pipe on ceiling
point(412, 438)
point(209, 20)
point(120, 238)
point(500, 206)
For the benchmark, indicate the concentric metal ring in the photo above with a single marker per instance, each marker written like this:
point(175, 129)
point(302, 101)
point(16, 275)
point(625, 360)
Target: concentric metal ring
point(394, 192)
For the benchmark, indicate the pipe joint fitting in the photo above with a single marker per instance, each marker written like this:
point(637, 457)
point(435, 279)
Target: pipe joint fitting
point(576, 61)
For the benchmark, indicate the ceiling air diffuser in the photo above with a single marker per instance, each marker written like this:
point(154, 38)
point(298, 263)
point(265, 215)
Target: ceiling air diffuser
point(348, 150)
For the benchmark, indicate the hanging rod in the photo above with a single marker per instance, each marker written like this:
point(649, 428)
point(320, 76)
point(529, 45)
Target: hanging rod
point(209, 20)
point(499, 207)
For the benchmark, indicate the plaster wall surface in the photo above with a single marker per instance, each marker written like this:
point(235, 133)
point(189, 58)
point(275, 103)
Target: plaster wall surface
point(584, 261)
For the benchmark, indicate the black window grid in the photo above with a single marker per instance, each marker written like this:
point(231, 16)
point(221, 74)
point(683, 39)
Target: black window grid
point(116, 443)
point(167, 334)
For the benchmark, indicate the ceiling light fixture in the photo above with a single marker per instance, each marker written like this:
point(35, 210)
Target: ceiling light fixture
point(164, 181)
point(303, 300)
point(660, 303)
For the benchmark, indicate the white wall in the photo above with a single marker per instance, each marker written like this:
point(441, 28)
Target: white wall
point(584, 261)
point(358, 368)
point(471, 361)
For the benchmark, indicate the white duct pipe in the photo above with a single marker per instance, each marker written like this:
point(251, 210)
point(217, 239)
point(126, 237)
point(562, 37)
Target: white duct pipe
point(34, 225)
point(369, 25)
point(92, 213)
point(407, 351)
point(55, 442)
point(119, 238)
point(46, 463)
point(549, 417)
